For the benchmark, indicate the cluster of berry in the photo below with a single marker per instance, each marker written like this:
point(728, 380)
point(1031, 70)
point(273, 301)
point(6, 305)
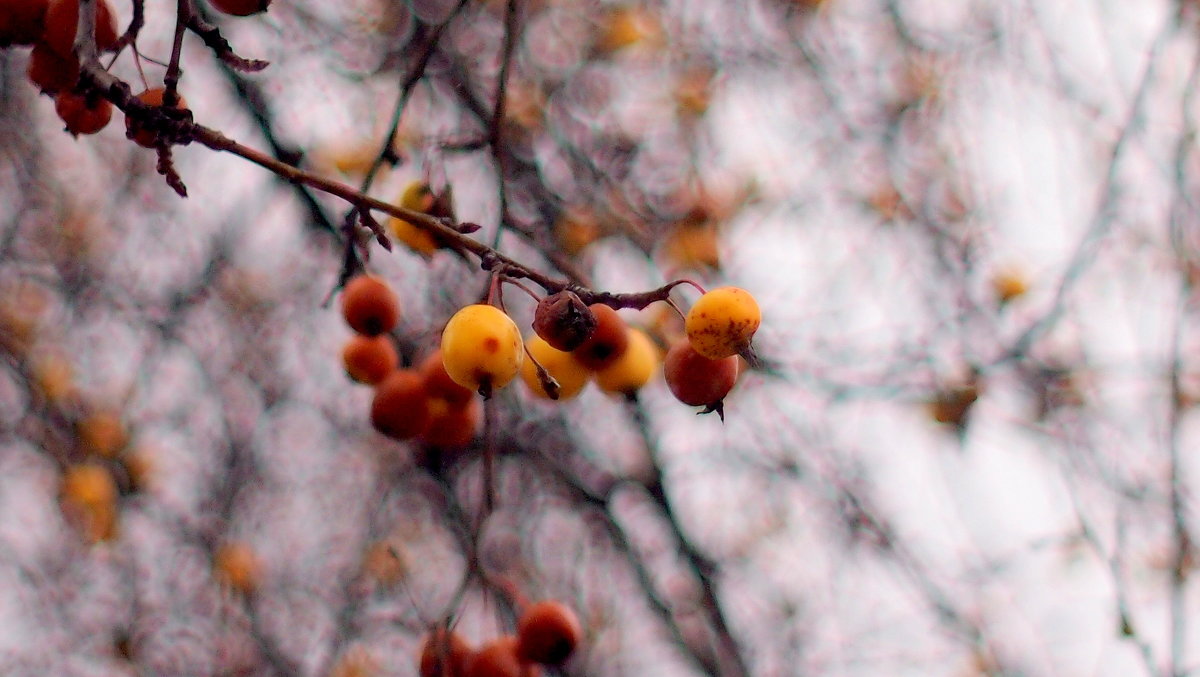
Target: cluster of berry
point(547, 634)
point(50, 26)
point(423, 402)
point(482, 351)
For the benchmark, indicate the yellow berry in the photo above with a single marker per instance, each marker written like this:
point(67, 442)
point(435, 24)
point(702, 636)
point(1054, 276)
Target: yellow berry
point(417, 197)
point(89, 484)
point(1009, 284)
point(570, 374)
point(634, 368)
point(481, 348)
point(722, 322)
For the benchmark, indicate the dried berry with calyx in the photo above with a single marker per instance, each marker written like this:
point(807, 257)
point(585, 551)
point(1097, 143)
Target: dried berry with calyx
point(563, 321)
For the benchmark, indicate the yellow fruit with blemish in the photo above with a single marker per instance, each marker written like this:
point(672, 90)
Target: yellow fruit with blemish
point(634, 368)
point(570, 375)
point(481, 348)
point(722, 322)
point(418, 197)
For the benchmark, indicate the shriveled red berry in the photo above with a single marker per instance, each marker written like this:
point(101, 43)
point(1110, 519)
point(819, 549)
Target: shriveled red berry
point(563, 321)
point(62, 19)
point(370, 306)
point(696, 380)
point(369, 359)
point(607, 342)
point(444, 654)
point(240, 7)
point(548, 633)
point(400, 408)
point(80, 115)
point(498, 658)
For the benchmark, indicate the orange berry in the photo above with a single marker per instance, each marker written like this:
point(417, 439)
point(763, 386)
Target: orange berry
point(498, 658)
point(237, 565)
point(607, 342)
point(444, 654)
point(62, 18)
point(81, 115)
point(240, 7)
point(358, 662)
point(21, 21)
point(385, 563)
point(451, 426)
point(102, 434)
point(370, 306)
point(369, 359)
point(148, 138)
point(696, 380)
point(548, 633)
point(88, 484)
point(439, 384)
point(49, 71)
point(139, 467)
point(400, 409)
point(89, 501)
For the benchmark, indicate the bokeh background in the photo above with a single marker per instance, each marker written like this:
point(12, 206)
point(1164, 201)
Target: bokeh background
point(970, 447)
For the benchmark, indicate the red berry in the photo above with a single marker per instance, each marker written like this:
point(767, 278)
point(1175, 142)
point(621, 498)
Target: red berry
point(240, 7)
point(62, 19)
point(696, 380)
point(81, 115)
point(148, 138)
point(370, 306)
point(21, 21)
point(400, 409)
point(607, 342)
point(499, 659)
point(51, 72)
point(369, 359)
point(439, 384)
point(548, 633)
point(449, 426)
point(444, 654)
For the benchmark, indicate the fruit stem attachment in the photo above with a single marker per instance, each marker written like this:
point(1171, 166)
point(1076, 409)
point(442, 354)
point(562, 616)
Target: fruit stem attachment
point(495, 296)
point(517, 283)
point(549, 383)
point(682, 315)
